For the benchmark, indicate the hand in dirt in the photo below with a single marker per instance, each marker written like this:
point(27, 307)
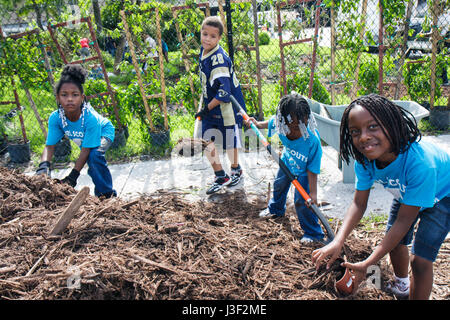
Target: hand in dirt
point(332, 250)
point(71, 179)
point(359, 271)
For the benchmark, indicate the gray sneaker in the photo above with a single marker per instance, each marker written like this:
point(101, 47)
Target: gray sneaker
point(398, 288)
point(235, 176)
point(266, 214)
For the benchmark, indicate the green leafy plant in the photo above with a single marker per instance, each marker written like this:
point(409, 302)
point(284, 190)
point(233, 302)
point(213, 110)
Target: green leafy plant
point(181, 92)
point(299, 82)
point(418, 78)
point(264, 39)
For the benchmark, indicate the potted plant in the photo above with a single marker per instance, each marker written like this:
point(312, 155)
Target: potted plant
point(160, 136)
point(18, 145)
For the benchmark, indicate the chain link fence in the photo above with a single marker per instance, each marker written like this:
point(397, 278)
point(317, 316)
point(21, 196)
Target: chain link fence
point(142, 60)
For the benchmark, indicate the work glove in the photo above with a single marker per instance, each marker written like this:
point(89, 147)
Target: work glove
point(71, 179)
point(44, 168)
point(203, 112)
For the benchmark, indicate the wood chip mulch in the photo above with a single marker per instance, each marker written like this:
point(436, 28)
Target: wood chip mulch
point(162, 246)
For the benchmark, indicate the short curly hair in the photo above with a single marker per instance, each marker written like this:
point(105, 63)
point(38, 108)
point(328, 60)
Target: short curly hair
point(72, 73)
point(214, 21)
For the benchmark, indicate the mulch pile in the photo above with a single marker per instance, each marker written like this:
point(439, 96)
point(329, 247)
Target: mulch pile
point(162, 246)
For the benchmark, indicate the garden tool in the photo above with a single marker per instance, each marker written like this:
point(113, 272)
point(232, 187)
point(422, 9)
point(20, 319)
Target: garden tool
point(283, 166)
point(189, 147)
point(198, 121)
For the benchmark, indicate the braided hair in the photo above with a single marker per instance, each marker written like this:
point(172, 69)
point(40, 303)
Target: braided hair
point(294, 105)
point(398, 125)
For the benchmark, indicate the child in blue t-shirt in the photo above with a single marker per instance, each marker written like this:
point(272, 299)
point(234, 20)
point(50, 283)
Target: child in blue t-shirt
point(302, 154)
point(221, 124)
point(93, 133)
point(385, 142)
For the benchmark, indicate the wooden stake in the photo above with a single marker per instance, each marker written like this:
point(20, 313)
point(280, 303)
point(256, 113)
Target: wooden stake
point(435, 34)
point(67, 216)
point(161, 68)
point(137, 69)
point(333, 54)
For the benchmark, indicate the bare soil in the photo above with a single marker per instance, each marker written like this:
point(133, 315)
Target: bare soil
point(163, 247)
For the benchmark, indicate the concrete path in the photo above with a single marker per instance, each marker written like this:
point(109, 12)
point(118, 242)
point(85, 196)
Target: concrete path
point(191, 177)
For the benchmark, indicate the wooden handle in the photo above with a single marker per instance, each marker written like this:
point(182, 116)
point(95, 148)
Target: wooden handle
point(68, 214)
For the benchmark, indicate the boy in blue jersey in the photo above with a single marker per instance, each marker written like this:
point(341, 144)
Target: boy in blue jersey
point(385, 142)
point(93, 133)
point(221, 124)
point(302, 154)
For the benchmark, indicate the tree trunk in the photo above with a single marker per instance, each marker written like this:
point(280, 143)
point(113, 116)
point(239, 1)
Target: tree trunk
point(119, 54)
point(38, 15)
point(97, 16)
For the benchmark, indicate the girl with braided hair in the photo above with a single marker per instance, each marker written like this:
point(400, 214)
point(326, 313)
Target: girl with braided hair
point(93, 133)
point(302, 153)
point(385, 142)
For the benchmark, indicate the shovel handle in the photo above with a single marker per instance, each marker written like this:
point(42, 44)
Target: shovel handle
point(283, 166)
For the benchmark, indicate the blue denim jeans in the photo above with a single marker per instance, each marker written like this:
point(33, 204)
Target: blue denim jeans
point(99, 171)
point(433, 227)
point(277, 205)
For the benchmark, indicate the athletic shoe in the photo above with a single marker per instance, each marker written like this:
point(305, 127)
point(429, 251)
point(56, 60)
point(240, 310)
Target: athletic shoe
point(218, 184)
point(235, 176)
point(398, 288)
point(306, 240)
point(266, 214)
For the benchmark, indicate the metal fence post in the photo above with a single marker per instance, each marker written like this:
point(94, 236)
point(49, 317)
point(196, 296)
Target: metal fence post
point(230, 30)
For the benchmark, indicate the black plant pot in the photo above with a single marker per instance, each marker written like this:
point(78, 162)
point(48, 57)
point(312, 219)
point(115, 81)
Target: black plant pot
point(3, 145)
point(63, 149)
point(120, 138)
point(440, 117)
point(19, 152)
point(160, 136)
point(426, 105)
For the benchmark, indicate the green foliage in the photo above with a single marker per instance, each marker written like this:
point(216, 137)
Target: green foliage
point(418, 78)
point(264, 38)
point(181, 92)
point(368, 76)
point(299, 82)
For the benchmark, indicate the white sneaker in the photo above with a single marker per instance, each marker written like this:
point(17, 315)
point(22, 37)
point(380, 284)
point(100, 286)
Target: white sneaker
point(306, 240)
point(266, 214)
point(398, 288)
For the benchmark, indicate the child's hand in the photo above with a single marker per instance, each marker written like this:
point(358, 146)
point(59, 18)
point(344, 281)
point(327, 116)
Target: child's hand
point(313, 197)
point(332, 250)
point(359, 270)
point(250, 121)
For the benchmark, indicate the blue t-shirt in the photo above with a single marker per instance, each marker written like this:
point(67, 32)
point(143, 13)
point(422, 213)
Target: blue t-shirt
point(299, 155)
point(86, 132)
point(418, 177)
point(219, 81)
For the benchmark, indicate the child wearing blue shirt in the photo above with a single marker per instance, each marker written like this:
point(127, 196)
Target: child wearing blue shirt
point(385, 142)
point(93, 133)
point(221, 124)
point(302, 154)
